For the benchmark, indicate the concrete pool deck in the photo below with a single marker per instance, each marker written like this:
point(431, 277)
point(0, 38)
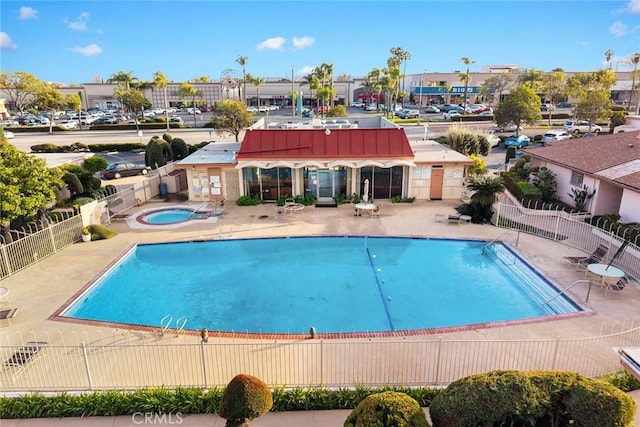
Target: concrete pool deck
point(40, 290)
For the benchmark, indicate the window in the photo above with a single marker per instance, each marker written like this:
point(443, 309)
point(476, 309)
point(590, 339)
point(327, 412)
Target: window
point(577, 179)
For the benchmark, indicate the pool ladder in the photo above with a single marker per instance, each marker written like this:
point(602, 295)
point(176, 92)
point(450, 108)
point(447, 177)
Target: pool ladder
point(165, 324)
point(484, 247)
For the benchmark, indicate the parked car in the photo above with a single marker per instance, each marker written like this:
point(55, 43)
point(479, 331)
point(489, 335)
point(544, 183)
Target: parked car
point(565, 105)
point(493, 139)
point(581, 126)
point(205, 108)
point(431, 109)
point(9, 123)
point(508, 127)
point(517, 141)
point(193, 111)
point(8, 134)
point(371, 107)
point(120, 169)
point(252, 109)
point(555, 135)
point(307, 112)
point(448, 107)
point(69, 124)
point(547, 107)
point(356, 104)
point(408, 114)
point(105, 121)
point(589, 134)
point(451, 114)
point(175, 119)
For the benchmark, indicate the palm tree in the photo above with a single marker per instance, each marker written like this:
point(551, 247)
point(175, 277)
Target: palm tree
point(242, 60)
point(634, 59)
point(486, 189)
point(124, 80)
point(466, 79)
point(256, 81)
point(402, 56)
point(160, 81)
point(466, 61)
point(312, 80)
point(608, 55)
point(188, 90)
point(375, 81)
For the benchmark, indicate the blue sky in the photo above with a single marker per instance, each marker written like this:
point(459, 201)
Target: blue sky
point(74, 42)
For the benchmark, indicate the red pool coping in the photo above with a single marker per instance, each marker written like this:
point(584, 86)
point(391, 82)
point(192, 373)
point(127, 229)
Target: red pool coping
point(206, 214)
point(57, 316)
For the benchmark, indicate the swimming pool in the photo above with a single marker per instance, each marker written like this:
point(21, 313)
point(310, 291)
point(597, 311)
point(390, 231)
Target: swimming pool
point(170, 216)
point(337, 285)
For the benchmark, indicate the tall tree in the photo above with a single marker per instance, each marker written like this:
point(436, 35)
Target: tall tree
point(49, 98)
point(554, 88)
point(634, 59)
point(257, 82)
point(123, 79)
point(26, 185)
point(374, 79)
point(493, 87)
point(188, 90)
point(402, 56)
point(231, 116)
point(314, 84)
point(531, 78)
point(161, 81)
point(324, 72)
point(608, 55)
point(593, 94)
point(133, 99)
point(466, 61)
point(242, 61)
point(520, 107)
point(20, 87)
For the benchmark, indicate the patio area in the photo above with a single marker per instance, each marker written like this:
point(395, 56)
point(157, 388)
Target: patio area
point(39, 291)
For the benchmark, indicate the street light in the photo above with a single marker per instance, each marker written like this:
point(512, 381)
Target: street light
point(420, 100)
point(293, 110)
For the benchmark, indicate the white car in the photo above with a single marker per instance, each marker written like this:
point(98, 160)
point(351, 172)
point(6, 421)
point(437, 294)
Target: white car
point(356, 104)
point(509, 127)
point(194, 111)
point(8, 134)
point(493, 139)
point(252, 109)
point(69, 124)
point(555, 135)
point(450, 115)
point(581, 127)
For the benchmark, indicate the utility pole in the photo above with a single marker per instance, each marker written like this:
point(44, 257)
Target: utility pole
point(293, 103)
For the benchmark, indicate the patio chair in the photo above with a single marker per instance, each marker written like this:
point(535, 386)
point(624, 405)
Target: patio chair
point(595, 257)
point(7, 314)
point(616, 287)
point(376, 211)
point(453, 219)
point(23, 357)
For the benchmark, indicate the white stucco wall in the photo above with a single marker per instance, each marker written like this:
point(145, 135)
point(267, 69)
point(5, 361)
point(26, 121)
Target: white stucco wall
point(629, 206)
point(452, 184)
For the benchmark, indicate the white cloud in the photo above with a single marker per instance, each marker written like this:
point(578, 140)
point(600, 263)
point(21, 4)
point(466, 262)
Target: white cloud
point(274, 43)
point(6, 43)
point(305, 71)
point(618, 29)
point(583, 44)
point(633, 6)
point(81, 23)
point(90, 50)
point(302, 42)
point(27, 12)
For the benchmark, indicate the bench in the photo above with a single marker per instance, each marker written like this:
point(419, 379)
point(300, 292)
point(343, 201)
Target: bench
point(453, 219)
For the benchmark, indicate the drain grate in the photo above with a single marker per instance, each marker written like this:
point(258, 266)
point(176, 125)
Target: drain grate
point(263, 217)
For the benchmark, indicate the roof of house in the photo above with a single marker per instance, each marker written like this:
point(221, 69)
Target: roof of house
point(215, 153)
point(433, 152)
point(612, 157)
point(290, 144)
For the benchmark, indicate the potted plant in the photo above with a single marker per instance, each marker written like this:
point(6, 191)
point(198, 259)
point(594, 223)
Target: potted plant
point(86, 234)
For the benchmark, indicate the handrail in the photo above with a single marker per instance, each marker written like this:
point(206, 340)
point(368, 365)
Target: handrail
point(486, 245)
point(197, 210)
point(180, 324)
point(164, 326)
point(566, 289)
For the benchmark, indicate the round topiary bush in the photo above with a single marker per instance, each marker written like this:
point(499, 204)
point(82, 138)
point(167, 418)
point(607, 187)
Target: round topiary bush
point(387, 409)
point(245, 398)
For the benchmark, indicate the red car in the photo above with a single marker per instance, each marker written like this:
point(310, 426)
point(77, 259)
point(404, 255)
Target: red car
point(321, 109)
point(205, 108)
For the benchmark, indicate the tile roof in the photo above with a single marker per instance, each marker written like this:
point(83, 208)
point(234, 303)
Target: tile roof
point(389, 143)
point(613, 157)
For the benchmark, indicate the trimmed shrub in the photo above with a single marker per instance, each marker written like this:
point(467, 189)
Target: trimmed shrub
point(531, 398)
point(387, 409)
point(95, 164)
point(100, 232)
point(248, 201)
point(179, 147)
point(245, 398)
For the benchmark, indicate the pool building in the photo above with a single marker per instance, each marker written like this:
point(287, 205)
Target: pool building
point(325, 158)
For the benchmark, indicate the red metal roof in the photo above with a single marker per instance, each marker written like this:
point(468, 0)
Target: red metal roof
point(302, 144)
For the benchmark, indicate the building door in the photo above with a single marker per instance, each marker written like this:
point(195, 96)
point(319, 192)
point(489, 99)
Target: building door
point(437, 179)
point(325, 185)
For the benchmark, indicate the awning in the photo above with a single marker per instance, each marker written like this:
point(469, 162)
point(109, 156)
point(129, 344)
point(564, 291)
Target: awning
point(363, 163)
point(252, 164)
point(398, 162)
point(343, 163)
point(280, 164)
point(314, 163)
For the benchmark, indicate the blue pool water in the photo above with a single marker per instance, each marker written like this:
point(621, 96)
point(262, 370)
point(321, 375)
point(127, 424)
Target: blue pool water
point(170, 216)
point(336, 284)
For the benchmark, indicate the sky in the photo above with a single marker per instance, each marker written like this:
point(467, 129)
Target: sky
point(74, 42)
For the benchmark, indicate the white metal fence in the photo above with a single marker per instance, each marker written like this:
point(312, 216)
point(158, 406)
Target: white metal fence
point(569, 229)
point(38, 240)
point(309, 363)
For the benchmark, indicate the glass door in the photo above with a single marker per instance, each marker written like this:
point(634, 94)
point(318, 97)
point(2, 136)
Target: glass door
point(325, 185)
